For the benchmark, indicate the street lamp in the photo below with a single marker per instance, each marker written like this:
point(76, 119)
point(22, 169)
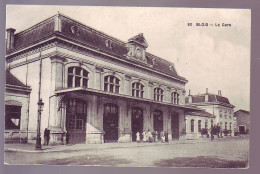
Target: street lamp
point(38, 145)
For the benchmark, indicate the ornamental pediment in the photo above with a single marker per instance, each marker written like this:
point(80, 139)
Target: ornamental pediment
point(136, 47)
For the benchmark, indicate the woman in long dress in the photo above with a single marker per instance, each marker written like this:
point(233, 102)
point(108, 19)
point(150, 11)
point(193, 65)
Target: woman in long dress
point(162, 137)
point(156, 136)
point(144, 136)
point(137, 137)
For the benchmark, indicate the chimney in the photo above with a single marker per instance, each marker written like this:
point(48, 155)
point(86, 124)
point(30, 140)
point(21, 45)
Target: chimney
point(190, 97)
point(219, 92)
point(207, 95)
point(10, 38)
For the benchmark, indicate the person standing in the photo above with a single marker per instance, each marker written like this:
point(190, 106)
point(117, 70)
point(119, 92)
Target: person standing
point(137, 137)
point(46, 136)
point(156, 136)
point(162, 137)
point(166, 137)
point(150, 137)
point(144, 136)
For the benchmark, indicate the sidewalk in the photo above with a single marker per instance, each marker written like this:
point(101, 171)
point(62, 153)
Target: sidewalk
point(80, 147)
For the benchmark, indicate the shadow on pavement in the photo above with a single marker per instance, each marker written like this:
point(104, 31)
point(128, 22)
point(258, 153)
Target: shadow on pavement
point(201, 161)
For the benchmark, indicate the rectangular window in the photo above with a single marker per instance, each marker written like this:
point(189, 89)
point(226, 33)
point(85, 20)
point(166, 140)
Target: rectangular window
point(12, 117)
point(70, 80)
point(85, 82)
point(117, 89)
point(111, 87)
point(77, 81)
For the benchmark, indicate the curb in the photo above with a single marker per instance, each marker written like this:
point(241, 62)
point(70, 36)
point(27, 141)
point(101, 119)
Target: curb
point(92, 148)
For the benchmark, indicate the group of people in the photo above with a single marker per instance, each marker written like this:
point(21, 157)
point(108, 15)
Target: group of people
point(152, 136)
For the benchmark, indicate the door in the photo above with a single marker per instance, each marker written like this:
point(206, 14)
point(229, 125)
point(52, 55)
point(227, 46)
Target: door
point(241, 129)
point(76, 121)
point(175, 125)
point(158, 120)
point(137, 122)
point(110, 122)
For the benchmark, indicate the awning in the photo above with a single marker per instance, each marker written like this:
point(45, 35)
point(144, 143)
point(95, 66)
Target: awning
point(122, 96)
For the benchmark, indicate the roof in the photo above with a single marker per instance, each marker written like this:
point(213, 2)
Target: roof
point(12, 80)
point(211, 98)
point(77, 32)
point(241, 110)
point(200, 113)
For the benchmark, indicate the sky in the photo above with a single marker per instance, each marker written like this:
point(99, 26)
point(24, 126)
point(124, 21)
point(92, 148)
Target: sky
point(213, 57)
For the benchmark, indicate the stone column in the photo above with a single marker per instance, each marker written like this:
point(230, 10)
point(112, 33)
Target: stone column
point(150, 90)
point(128, 85)
point(55, 103)
point(97, 79)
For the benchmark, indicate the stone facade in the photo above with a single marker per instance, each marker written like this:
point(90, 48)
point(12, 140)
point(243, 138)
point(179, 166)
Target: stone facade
point(216, 105)
point(196, 121)
point(95, 87)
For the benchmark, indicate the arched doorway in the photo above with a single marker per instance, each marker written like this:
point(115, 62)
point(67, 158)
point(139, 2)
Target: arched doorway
point(76, 121)
point(158, 120)
point(110, 122)
point(175, 125)
point(137, 122)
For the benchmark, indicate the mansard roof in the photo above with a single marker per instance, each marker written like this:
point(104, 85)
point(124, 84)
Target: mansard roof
point(72, 30)
point(212, 98)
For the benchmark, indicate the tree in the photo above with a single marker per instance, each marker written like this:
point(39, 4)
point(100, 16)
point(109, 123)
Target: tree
point(215, 130)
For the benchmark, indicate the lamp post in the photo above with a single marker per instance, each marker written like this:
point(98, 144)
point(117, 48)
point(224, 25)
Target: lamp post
point(38, 145)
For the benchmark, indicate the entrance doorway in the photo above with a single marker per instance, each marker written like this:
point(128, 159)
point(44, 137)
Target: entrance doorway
point(242, 130)
point(76, 121)
point(158, 120)
point(175, 125)
point(137, 122)
point(110, 122)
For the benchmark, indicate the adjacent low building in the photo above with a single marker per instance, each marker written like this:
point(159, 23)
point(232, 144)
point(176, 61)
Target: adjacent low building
point(17, 99)
point(242, 121)
point(217, 105)
point(95, 88)
point(196, 121)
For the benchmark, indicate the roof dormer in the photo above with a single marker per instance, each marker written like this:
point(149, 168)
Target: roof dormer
point(136, 48)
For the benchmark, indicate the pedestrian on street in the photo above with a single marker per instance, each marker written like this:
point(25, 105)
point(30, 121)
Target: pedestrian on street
point(138, 137)
point(156, 136)
point(162, 137)
point(144, 136)
point(150, 137)
point(46, 136)
point(166, 137)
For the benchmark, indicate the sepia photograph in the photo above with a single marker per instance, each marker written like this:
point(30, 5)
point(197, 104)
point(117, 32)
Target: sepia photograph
point(127, 86)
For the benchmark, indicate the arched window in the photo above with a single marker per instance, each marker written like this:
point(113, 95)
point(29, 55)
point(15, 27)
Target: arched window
point(199, 125)
point(206, 124)
point(192, 125)
point(77, 76)
point(158, 94)
point(175, 98)
point(225, 125)
point(111, 84)
point(138, 90)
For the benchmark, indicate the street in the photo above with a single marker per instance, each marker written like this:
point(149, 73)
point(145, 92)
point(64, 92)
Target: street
point(228, 153)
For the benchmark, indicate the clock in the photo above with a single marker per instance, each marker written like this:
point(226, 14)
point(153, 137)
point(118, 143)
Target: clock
point(138, 53)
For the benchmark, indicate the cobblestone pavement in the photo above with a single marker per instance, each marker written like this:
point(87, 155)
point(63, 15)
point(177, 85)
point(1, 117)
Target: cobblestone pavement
point(225, 153)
